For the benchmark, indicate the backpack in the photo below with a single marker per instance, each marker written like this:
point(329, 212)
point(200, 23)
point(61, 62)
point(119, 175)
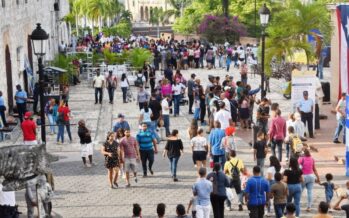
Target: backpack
point(235, 172)
point(139, 80)
point(297, 144)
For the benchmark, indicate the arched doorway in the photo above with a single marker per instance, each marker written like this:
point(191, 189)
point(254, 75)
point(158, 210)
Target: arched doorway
point(9, 78)
point(142, 13)
point(146, 14)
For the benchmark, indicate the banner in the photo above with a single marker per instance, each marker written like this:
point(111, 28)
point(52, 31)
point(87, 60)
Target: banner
point(302, 81)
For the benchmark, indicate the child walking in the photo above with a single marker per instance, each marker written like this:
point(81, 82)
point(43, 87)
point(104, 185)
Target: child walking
point(329, 187)
point(260, 150)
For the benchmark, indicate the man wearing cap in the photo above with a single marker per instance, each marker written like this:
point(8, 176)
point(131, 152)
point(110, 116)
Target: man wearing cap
point(21, 102)
point(191, 85)
point(121, 124)
point(305, 108)
point(111, 86)
point(98, 84)
point(29, 130)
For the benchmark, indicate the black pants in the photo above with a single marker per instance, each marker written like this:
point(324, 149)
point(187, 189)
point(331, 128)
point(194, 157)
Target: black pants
point(124, 93)
point(3, 118)
point(256, 211)
point(111, 94)
point(35, 105)
point(100, 92)
point(191, 102)
point(152, 85)
point(202, 113)
point(217, 203)
point(141, 105)
point(345, 207)
point(308, 118)
point(8, 212)
point(317, 116)
point(147, 155)
point(22, 108)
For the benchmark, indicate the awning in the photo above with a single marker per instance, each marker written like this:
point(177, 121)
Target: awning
point(55, 70)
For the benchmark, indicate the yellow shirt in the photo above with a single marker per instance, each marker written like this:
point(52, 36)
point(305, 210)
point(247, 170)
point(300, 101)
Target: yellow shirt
point(229, 165)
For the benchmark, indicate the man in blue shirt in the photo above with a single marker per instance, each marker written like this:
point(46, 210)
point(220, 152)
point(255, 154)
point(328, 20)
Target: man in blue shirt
point(121, 124)
point(215, 141)
point(305, 108)
point(21, 101)
point(202, 190)
point(147, 141)
point(257, 193)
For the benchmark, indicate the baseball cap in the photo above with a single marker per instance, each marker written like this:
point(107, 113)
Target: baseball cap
point(27, 115)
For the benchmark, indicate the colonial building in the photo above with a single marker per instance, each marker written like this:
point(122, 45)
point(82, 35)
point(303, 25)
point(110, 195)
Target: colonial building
point(18, 19)
point(140, 9)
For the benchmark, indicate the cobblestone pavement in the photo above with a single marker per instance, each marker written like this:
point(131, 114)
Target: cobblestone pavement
point(84, 192)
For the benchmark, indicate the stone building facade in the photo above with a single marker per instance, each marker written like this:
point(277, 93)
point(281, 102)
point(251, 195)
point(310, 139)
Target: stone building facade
point(140, 9)
point(18, 19)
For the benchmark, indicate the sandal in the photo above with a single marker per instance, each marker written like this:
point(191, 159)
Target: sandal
point(116, 184)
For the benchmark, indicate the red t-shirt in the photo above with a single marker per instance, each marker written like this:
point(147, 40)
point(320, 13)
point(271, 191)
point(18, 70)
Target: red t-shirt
point(28, 128)
point(65, 111)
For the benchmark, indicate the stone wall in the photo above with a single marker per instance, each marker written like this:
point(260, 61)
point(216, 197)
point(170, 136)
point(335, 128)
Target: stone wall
point(18, 19)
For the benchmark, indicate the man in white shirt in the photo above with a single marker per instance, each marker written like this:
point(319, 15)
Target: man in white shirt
point(226, 101)
point(340, 109)
point(7, 203)
point(166, 113)
point(98, 84)
point(223, 116)
point(177, 90)
point(305, 108)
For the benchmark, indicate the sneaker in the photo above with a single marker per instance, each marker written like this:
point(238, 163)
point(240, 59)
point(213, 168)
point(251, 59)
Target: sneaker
point(228, 208)
point(336, 141)
point(93, 164)
point(151, 171)
point(240, 207)
point(128, 186)
point(175, 179)
point(88, 165)
point(145, 175)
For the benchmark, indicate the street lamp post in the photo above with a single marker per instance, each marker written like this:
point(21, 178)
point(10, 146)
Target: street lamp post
point(38, 38)
point(264, 14)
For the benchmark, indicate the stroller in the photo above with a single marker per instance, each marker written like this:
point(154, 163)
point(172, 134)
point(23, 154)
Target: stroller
point(129, 96)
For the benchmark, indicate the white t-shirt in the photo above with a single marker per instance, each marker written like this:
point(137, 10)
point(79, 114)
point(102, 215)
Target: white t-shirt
point(177, 88)
point(124, 83)
point(272, 171)
point(165, 108)
point(341, 105)
point(198, 143)
point(7, 198)
point(98, 81)
point(146, 115)
point(227, 104)
point(223, 117)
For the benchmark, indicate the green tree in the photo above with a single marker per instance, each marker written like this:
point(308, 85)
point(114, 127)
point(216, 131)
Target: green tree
point(178, 8)
point(138, 56)
point(157, 17)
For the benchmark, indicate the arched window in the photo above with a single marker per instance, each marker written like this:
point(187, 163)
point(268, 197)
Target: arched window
point(142, 13)
point(146, 14)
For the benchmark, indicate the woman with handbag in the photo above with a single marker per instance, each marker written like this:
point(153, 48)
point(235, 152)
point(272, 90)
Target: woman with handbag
point(86, 143)
point(111, 151)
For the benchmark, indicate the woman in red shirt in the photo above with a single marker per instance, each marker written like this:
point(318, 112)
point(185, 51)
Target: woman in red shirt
point(63, 120)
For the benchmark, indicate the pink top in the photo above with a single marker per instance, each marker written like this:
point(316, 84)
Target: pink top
point(278, 128)
point(244, 104)
point(307, 164)
point(166, 89)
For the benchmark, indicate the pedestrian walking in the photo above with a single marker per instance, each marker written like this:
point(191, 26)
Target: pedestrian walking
point(111, 85)
point(329, 187)
point(228, 142)
point(178, 91)
point(51, 110)
point(29, 129)
point(165, 113)
point(263, 116)
point(173, 150)
point(147, 147)
point(124, 84)
point(2, 110)
point(200, 149)
point(98, 84)
point(111, 151)
point(121, 123)
point(191, 87)
point(8, 208)
point(130, 155)
point(279, 193)
point(305, 108)
point(257, 193)
point(233, 169)
point(21, 102)
point(294, 178)
point(223, 116)
point(202, 190)
point(215, 141)
point(218, 195)
point(63, 119)
point(340, 115)
point(260, 148)
point(310, 175)
point(86, 143)
point(274, 167)
point(142, 97)
point(277, 133)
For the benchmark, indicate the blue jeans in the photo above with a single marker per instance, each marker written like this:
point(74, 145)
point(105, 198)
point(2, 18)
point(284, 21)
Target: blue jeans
point(60, 132)
point(219, 159)
point(67, 126)
point(308, 183)
point(124, 92)
point(152, 128)
point(52, 122)
point(295, 193)
point(228, 62)
point(279, 210)
point(166, 119)
point(287, 150)
point(111, 94)
point(277, 143)
point(173, 166)
point(260, 163)
point(197, 113)
point(340, 126)
point(176, 100)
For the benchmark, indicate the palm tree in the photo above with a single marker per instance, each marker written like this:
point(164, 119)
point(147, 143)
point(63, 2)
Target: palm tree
point(157, 16)
point(112, 9)
point(96, 11)
point(178, 7)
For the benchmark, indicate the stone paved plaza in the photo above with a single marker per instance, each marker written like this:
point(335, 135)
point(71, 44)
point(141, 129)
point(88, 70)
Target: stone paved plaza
point(84, 192)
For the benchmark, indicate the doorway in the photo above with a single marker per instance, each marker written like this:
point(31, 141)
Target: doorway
point(9, 79)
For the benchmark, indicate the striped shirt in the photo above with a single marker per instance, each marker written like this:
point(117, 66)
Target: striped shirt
point(145, 140)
